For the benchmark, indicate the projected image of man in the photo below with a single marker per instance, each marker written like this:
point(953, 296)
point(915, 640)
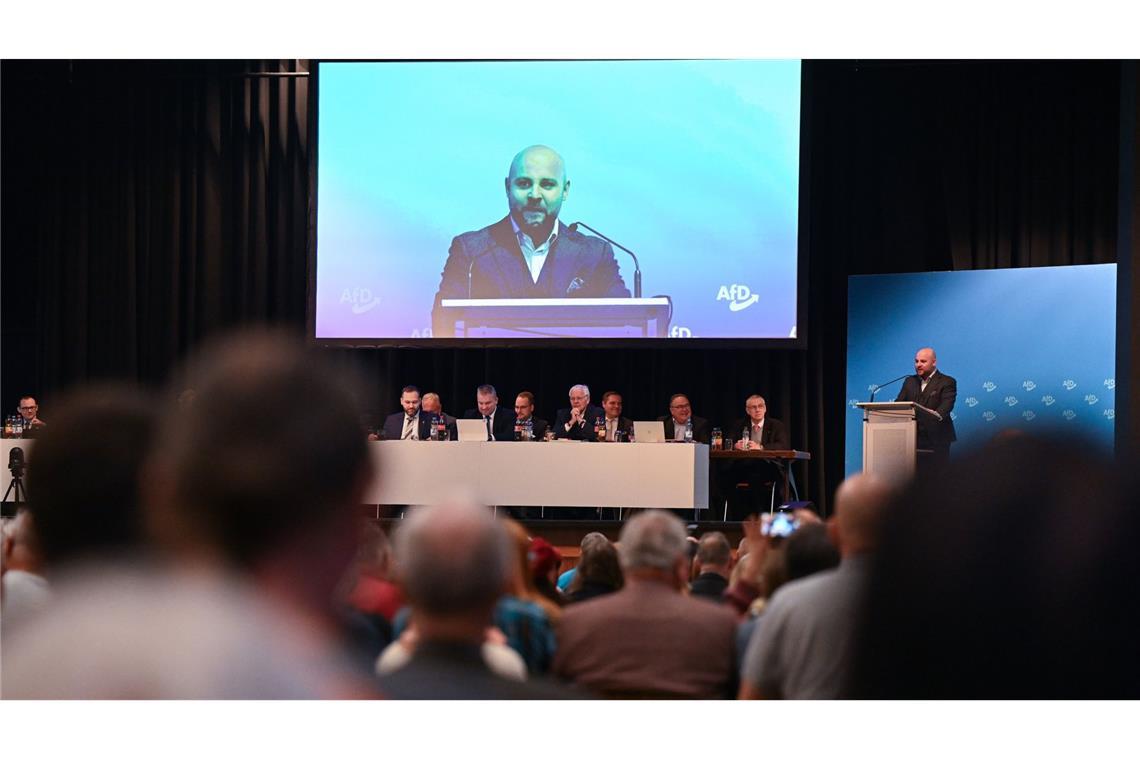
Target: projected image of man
point(528, 253)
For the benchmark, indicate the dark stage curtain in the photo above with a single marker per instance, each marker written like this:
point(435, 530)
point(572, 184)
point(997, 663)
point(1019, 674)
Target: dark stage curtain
point(149, 205)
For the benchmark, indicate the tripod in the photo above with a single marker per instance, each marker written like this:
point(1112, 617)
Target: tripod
point(16, 487)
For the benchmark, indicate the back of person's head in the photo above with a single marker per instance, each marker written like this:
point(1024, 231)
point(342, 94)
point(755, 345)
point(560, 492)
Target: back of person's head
point(1013, 574)
point(593, 537)
point(83, 475)
point(599, 565)
point(544, 559)
point(452, 559)
point(713, 550)
point(19, 551)
point(373, 554)
point(860, 502)
point(809, 550)
point(653, 539)
point(270, 455)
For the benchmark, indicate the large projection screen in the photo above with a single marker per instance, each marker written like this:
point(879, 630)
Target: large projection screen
point(694, 166)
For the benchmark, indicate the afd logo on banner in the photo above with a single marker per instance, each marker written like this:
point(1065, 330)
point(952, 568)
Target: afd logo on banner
point(739, 297)
point(361, 300)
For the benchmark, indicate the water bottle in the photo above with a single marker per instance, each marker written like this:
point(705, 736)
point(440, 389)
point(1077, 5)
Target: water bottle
point(745, 437)
point(519, 431)
point(18, 426)
point(444, 433)
point(433, 434)
point(717, 439)
point(600, 428)
point(528, 430)
point(8, 427)
point(689, 430)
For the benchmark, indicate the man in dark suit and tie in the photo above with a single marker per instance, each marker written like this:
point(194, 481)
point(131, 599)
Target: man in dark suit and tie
point(618, 428)
point(529, 253)
point(408, 425)
point(578, 423)
point(764, 434)
point(937, 392)
point(499, 422)
point(524, 412)
point(680, 412)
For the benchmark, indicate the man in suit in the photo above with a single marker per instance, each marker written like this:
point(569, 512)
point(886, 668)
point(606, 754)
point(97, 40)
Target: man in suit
point(500, 423)
point(764, 433)
point(618, 428)
point(433, 407)
point(30, 410)
point(579, 422)
point(680, 412)
point(937, 392)
point(524, 411)
point(408, 425)
point(648, 639)
point(529, 253)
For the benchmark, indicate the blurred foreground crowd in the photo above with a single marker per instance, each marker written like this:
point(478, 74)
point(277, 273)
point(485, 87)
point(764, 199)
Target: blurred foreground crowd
point(214, 549)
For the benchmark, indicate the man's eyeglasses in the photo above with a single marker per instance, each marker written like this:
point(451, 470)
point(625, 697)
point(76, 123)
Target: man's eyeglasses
point(679, 406)
point(28, 408)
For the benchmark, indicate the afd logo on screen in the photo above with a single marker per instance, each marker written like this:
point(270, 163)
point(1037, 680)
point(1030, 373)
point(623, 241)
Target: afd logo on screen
point(739, 296)
point(360, 299)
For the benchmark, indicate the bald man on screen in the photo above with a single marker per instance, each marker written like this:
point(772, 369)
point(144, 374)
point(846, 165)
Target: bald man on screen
point(528, 253)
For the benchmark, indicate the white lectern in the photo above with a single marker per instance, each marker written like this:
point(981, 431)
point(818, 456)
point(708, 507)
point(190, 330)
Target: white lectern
point(890, 436)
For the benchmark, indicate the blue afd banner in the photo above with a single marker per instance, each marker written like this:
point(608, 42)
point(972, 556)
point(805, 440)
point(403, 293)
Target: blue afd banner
point(1032, 349)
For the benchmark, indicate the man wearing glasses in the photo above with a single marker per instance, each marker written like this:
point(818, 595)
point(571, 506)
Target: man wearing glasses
point(29, 410)
point(680, 412)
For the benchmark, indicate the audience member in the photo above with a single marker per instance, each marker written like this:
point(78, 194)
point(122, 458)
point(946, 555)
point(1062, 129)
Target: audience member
point(802, 645)
point(808, 550)
point(83, 477)
point(25, 591)
point(253, 495)
point(567, 577)
point(371, 589)
point(370, 600)
point(545, 561)
point(712, 566)
point(524, 586)
point(453, 562)
point(1012, 575)
point(598, 572)
point(649, 639)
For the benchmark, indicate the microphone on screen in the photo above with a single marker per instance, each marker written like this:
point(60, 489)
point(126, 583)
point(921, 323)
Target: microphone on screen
point(636, 265)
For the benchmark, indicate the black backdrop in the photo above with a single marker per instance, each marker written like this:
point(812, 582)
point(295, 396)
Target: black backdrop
point(149, 205)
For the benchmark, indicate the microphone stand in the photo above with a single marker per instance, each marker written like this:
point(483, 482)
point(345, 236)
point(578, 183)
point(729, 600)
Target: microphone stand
point(636, 265)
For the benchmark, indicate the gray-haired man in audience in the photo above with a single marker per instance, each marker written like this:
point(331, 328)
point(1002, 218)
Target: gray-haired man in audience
point(454, 562)
point(649, 639)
